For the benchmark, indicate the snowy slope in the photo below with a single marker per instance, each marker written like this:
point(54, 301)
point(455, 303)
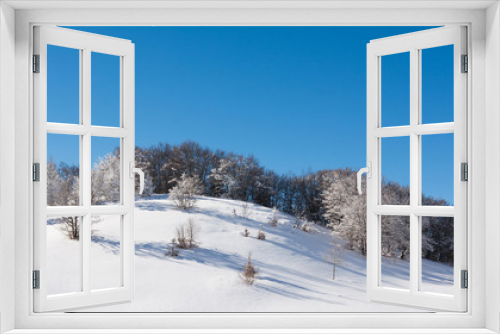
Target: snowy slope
point(293, 274)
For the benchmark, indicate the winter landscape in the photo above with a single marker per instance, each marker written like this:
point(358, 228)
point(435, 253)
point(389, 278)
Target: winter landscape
point(217, 232)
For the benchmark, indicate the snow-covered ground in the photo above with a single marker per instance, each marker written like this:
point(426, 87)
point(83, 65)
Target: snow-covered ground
point(293, 273)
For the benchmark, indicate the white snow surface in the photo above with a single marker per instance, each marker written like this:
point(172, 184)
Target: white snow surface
point(293, 274)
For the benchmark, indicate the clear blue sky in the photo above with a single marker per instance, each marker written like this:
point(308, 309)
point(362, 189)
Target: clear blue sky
point(295, 97)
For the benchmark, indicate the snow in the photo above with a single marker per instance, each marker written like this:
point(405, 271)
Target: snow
point(293, 274)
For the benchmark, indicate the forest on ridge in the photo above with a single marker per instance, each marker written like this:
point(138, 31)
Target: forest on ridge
point(326, 197)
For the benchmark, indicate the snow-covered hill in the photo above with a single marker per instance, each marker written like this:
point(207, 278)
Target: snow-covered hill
point(293, 273)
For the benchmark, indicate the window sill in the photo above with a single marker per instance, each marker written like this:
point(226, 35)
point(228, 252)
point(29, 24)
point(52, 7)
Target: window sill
point(250, 331)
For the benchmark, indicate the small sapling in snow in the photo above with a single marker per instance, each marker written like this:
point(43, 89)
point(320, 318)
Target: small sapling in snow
point(172, 251)
point(249, 273)
point(274, 218)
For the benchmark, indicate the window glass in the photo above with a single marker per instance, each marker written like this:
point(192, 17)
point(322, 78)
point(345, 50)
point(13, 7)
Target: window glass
point(63, 85)
point(63, 170)
point(395, 93)
point(106, 171)
point(105, 252)
point(437, 169)
point(105, 90)
point(64, 255)
point(437, 84)
point(437, 255)
point(395, 169)
point(395, 251)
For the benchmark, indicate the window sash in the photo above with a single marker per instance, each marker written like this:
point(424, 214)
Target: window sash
point(86, 43)
point(413, 43)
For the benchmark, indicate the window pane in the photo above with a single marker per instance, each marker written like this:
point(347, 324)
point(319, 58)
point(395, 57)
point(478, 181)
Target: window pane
point(395, 251)
point(105, 251)
point(63, 85)
point(105, 90)
point(63, 172)
point(105, 171)
point(395, 169)
point(64, 255)
point(395, 96)
point(437, 169)
point(437, 255)
point(437, 84)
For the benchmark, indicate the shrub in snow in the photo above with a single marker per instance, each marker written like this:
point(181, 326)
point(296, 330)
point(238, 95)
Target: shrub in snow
point(172, 251)
point(185, 191)
point(245, 211)
point(306, 227)
point(187, 234)
point(274, 218)
point(261, 235)
point(246, 233)
point(249, 271)
point(181, 237)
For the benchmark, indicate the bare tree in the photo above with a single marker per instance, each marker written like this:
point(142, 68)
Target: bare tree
point(335, 256)
point(181, 237)
point(192, 231)
point(71, 227)
point(187, 234)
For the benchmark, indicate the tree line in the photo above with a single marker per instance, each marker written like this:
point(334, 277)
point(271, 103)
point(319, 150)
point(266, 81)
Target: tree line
point(325, 197)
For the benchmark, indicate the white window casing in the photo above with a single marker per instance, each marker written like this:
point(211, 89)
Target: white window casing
point(483, 293)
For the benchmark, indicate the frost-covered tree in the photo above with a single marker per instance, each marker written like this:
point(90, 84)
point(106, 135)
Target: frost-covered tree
point(335, 195)
point(345, 209)
point(224, 179)
point(185, 191)
point(395, 235)
point(106, 179)
point(63, 190)
point(273, 221)
point(54, 182)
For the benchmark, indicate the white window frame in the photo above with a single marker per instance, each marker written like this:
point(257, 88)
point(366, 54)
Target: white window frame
point(85, 43)
point(414, 43)
point(484, 147)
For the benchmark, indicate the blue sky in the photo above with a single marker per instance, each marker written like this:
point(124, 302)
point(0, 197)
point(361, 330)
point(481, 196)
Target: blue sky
point(295, 97)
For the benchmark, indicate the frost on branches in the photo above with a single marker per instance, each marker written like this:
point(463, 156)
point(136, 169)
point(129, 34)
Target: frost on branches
point(185, 191)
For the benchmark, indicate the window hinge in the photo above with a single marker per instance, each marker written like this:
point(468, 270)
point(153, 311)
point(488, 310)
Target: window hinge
point(36, 172)
point(465, 64)
point(464, 171)
point(36, 63)
point(36, 279)
point(465, 279)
